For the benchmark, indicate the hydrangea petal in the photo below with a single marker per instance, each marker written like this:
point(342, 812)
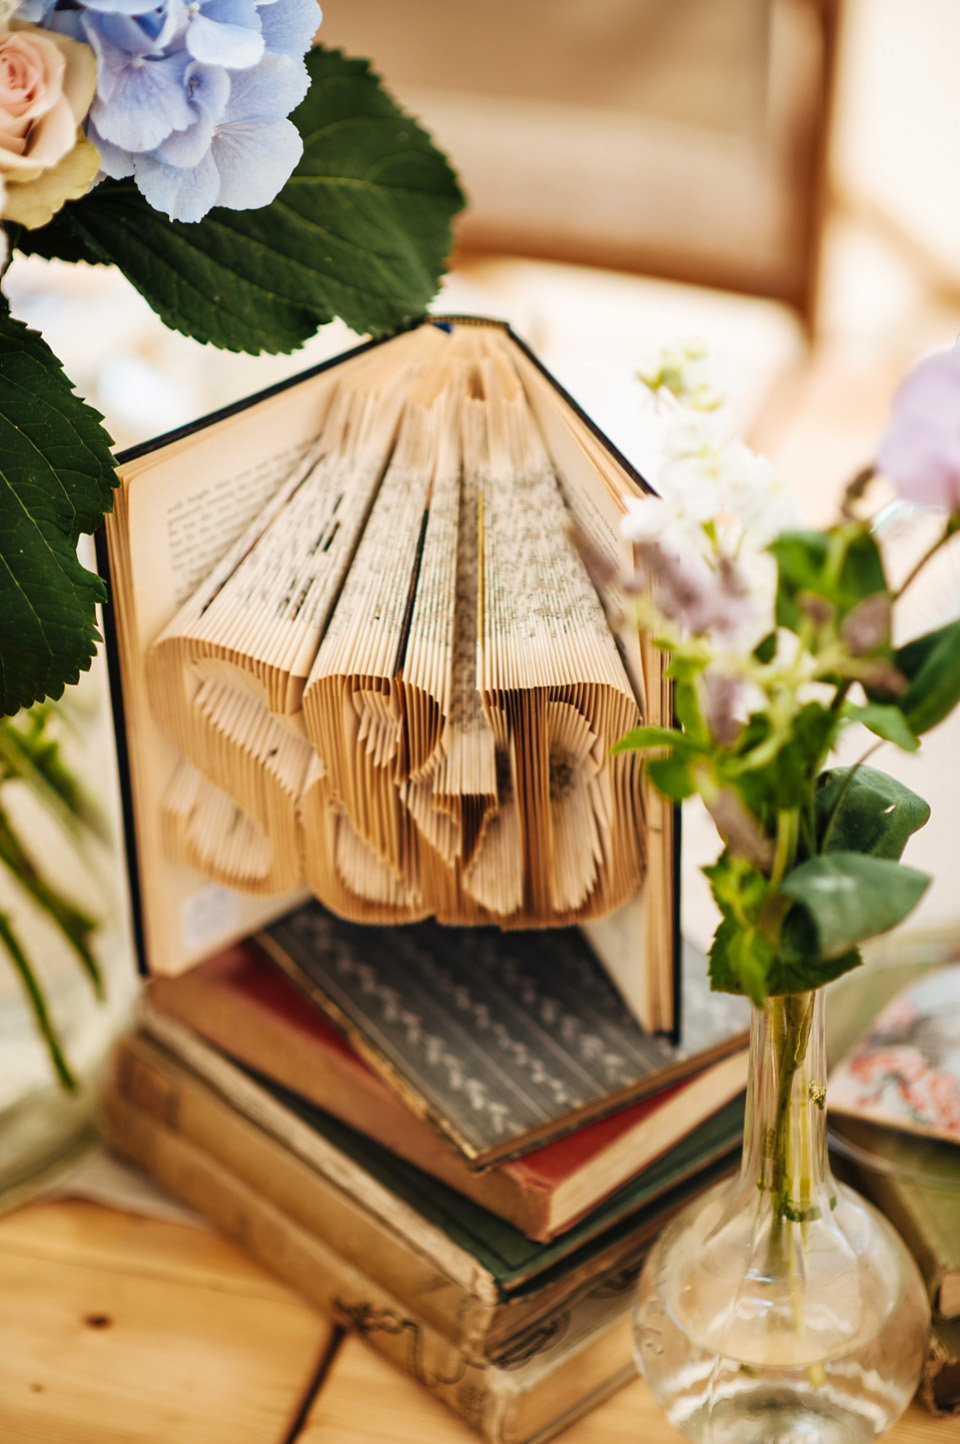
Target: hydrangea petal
point(920, 449)
point(235, 46)
point(121, 7)
point(183, 195)
point(66, 22)
point(184, 149)
point(289, 26)
point(34, 12)
point(114, 162)
point(208, 87)
point(255, 158)
point(148, 101)
point(274, 87)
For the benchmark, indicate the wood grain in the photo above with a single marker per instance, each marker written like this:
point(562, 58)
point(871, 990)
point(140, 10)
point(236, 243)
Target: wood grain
point(364, 1398)
point(127, 1331)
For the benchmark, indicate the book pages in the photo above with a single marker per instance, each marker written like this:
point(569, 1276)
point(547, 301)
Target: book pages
point(399, 684)
point(363, 657)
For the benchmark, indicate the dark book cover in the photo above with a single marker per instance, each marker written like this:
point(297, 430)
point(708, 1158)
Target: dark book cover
point(501, 1041)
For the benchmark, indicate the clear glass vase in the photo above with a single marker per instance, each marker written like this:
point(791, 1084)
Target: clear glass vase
point(781, 1306)
point(63, 919)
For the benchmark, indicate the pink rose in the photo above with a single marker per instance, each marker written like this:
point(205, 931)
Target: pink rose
point(920, 449)
point(47, 84)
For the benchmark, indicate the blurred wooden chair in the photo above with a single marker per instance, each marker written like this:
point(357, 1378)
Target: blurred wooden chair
point(679, 138)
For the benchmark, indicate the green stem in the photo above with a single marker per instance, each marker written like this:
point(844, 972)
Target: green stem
point(788, 831)
point(793, 1015)
point(43, 1020)
point(951, 528)
point(73, 924)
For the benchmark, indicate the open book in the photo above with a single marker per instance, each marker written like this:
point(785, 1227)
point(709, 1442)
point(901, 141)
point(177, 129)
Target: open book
point(361, 657)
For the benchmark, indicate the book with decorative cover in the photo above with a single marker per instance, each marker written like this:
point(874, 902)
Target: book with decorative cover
point(904, 1071)
point(360, 655)
point(248, 1009)
point(506, 1040)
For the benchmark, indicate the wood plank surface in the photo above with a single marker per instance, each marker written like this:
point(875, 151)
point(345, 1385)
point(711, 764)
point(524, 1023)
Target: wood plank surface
point(115, 1330)
point(364, 1398)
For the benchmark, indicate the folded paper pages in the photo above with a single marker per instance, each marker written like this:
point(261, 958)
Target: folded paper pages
point(394, 683)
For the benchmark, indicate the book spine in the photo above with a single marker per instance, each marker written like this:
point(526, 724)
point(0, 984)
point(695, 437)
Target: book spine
point(487, 1397)
point(902, 1206)
point(247, 1098)
point(309, 1198)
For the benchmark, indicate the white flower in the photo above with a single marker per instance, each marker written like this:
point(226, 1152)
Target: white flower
point(665, 521)
point(687, 372)
point(755, 494)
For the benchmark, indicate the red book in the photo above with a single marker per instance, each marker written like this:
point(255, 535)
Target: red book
point(242, 1004)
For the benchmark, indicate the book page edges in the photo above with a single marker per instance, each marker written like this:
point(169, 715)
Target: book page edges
point(169, 892)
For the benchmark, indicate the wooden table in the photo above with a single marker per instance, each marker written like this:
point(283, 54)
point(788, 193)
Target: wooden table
point(121, 1329)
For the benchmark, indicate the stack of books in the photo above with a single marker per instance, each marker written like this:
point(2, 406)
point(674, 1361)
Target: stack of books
point(461, 1152)
point(367, 691)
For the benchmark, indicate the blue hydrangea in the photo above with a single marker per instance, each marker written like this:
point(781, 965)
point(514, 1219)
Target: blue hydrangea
point(193, 95)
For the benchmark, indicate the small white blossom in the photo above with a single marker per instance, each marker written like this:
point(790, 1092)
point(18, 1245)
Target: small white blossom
point(687, 372)
point(665, 521)
point(756, 494)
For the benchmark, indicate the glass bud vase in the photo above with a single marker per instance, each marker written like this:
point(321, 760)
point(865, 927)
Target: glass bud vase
point(782, 1307)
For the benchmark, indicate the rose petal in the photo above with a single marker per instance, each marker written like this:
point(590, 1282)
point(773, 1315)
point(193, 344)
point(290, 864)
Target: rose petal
point(36, 202)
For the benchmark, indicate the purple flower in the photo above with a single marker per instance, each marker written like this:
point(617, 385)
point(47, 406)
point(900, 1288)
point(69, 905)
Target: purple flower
point(920, 449)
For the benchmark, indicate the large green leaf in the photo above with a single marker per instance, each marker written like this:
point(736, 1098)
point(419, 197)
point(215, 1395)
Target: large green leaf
point(804, 567)
point(843, 897)
point(56, 481)
point(862, 809)
point(885, 720)
point(931, 664)
point(361, 230)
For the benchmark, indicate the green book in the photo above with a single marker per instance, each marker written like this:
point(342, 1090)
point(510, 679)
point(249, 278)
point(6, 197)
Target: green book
point(518, 1265)
point(916, 1183)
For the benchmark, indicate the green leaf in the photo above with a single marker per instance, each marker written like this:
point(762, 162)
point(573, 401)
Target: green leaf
point(672, 777)
point(931, 664)
point(842, 898)
point(766, 650)
point(860, 809)
point(58, 240)
point(686, 706)
point(56, 481)
point(741, 961)
point(886, 721)
point(797, 974)
point(737, 886)
point(361, 230)
point(803, 563)
point(643, 737)
point(683, 669)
